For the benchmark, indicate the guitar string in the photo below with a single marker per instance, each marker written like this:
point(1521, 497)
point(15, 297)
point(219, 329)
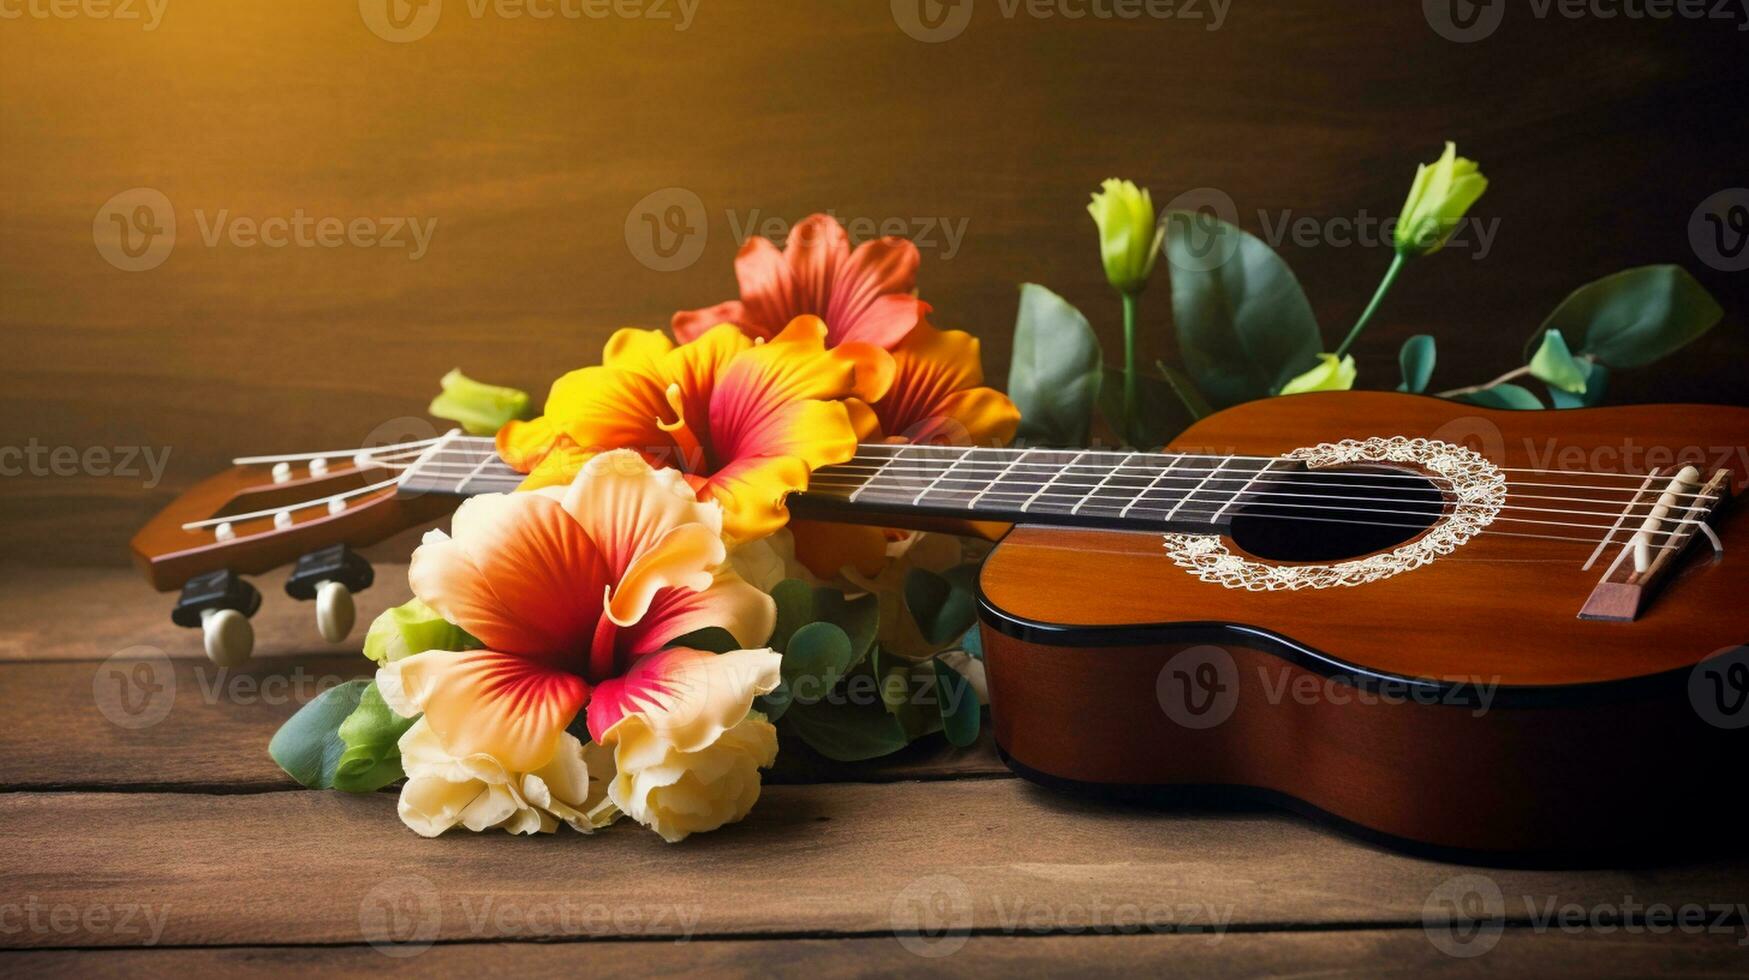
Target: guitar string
point(864, 448)
point(1049, 489)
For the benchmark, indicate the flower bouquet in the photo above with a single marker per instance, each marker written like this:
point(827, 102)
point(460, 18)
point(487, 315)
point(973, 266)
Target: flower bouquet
point(629, 633)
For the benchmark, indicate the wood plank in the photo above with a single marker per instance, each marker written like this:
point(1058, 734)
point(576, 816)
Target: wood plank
point(177, 724)
point(847, 859)
point(74, 613)
point(534, 145)
point(104, 693)
point(1382, 953)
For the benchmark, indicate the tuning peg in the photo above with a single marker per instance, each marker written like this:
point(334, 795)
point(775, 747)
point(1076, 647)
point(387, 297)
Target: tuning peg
point(220, 604)
point(330, 577)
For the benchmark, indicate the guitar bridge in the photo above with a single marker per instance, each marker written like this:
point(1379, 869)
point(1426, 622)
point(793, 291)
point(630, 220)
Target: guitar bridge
point(1674, 516)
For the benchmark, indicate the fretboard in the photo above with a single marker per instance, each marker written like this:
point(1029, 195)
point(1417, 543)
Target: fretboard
point(888, 483)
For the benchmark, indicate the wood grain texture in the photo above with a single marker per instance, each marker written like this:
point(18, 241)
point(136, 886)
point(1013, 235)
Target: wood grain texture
point(1403, 953)
point(299, 868)
point(532, 142)
point(77, 716)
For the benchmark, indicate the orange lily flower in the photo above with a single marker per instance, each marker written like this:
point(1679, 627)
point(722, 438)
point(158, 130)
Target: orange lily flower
point(865, 296)
point(937, 397)
point(746, 422)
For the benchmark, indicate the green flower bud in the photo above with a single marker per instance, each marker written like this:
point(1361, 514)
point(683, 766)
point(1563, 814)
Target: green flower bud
point(482, 409)
point(1331, 374)
point(1129, 239)
point(1442, 194)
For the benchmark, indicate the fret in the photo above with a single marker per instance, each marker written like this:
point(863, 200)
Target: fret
point(1173, 513)
point(1005, 470)
point(918, 500)
point(1054, 477)
point(1216, 520)
point(1106, 480)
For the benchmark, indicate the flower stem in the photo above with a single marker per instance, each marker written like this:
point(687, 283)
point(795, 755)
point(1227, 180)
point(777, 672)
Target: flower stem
point(1129, 365)
point(1472, 389)
point(1378, 298)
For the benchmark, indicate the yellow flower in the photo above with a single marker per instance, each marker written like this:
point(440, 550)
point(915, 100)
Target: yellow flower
point(477, 792)
point(1129, 240)
point(1442, 194)
point(689, 764)
point(1331, 374)
point(746, 423)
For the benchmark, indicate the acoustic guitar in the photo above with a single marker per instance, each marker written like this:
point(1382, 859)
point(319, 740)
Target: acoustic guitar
point(1445, 628)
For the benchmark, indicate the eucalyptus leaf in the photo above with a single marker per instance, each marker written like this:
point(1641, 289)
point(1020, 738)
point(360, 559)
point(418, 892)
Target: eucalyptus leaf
point(943, 611)
point(847, 732)
point(818, 655)
point(1596, 384)
point(1634, 317)
point(1244, 324)
point(961, 714)
point(1054, 377)
point(711, 639)
point(858, 618)
point(372, 735)
point(1556, 366)
point(973, 643)
point(1417, 359)
point(1502, 396)
point(308, 746)
point(795, 609)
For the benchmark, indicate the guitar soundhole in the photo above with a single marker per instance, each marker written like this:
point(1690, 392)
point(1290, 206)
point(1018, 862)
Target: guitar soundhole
point(1334, 515)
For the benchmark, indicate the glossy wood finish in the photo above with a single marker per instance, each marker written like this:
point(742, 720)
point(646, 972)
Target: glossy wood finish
point(170, 555)
point(1590, 740)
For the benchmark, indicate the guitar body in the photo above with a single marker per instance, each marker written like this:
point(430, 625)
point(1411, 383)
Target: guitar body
point(1461, 706)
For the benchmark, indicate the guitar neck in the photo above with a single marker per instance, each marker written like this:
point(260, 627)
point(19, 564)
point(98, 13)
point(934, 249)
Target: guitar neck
point(924, 486)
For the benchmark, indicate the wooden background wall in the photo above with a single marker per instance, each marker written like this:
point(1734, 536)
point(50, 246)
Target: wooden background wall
point(530, 141)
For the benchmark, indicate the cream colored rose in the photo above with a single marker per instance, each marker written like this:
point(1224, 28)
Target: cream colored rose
point(677, 793)
point(687, 746)
point(478, 793)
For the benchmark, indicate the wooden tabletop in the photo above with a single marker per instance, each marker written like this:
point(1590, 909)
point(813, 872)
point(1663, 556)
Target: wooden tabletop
point(144, 830)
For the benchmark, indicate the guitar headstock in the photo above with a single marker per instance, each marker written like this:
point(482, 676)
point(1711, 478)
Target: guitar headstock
point(268, 511)
point(265, 512)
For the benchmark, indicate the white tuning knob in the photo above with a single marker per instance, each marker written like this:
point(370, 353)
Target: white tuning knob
point(229, 637)
point(335, 612)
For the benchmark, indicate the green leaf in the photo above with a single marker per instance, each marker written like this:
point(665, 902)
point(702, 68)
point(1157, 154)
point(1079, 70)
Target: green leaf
point(795, 609)
point(1596, 384)
point(410, 628)
point(818, 655)
point(859, 618)
point(1634, 317)
point(1554, 364)
point(847, 732)
point(712, 639)
point(1054, 376)
point(1160, 414)
point(372, 734)
point(1416, 359)
point(1244, 324)
point(893, 675)
point(1502, 396)
point(973, 643)
point(308, 746)
point(960, 711)
point(482, 409)
point(943, 611)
